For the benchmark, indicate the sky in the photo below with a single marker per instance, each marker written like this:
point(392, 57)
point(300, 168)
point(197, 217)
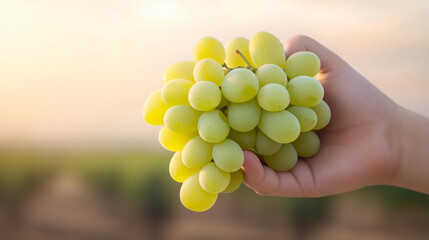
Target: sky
point(77, 73)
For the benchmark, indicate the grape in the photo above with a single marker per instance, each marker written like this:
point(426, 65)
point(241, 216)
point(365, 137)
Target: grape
point(305, 91)
point(246, 140)
point(174, 141)
point(204, 96)
point(197, 153)
point(209, 70)
point(323, 113)
point(265, 48)
point(175, 92)
point(302, 64)
point(271, 73)
point(183, 119)
point(212, 179)
point(228, 155)
point(179, 70)
point(282, 127)
point(232, 60)
point(178, 171)
point(265, 145)
point(209, 47)
point(240, 85)
point(235, 181)
point(244, 117)
point(273, 97)
point(307, 144)
point(213, 126)
point(154, 109)
point(306, 116)
point(193, 196)
point(284, 159)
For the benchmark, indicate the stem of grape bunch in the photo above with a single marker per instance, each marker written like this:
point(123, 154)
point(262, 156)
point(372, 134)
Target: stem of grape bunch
point(248, 65)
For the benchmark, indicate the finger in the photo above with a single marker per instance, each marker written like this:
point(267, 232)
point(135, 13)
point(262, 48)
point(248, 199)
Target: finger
point(329, 60)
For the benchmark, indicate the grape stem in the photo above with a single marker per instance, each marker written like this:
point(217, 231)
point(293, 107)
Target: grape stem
point(248, 65)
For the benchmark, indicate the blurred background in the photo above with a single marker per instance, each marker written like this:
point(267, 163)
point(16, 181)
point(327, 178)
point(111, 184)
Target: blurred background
point(77, 161)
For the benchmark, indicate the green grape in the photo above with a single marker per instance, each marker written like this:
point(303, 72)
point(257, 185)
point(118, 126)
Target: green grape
point(232, 60)
point(307, 144)
point(235, 181)
point(213, 126)
point(306, 116)
point(174, 141)
point(175, 92)
point(244, 117)
point(323, 113)
point(265, 145)
point(283, 160)
point(240, 85)
point(246, 140)
point(228, 155)
point(305, 91)
point(273, 97)
point(302, 64)
point(179, 70)
point(183, 119)
point(178, 171)
point(223, 103)
point(282, 127)
point(154, 109)
point(193, 196)
point(212, 179)
point(197, 153)
point(271, 73)
point(204, 96)
point(266, 48)
point(209, 70)
point(209, 47)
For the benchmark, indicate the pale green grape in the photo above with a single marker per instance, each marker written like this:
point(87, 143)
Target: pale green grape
point(273, 97)
point(302, 64)
point(235, 181)
point(154, 109)
point(232, 60)
point(306, 116)
point(179, 70)
point(305, 91)
point(284, 159)
point(323, 113)
point(193, 196)
point(197, 153)
point(307, 144)
point(266, 48)
point(183, 119)
point(265, 145)
point(246, 140)
point(204, 96)
point(240, 85)
point(212, 179)
point(209, 70)
point(174, 141)
point(244, 117)
point(271, 73)
point(178, 171)
point(282, 127)
point(175, 92)
point(228, 155)
point(209, 47)
point(213, 126)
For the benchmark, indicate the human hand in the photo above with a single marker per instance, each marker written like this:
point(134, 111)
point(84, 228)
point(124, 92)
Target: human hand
point(356, 147)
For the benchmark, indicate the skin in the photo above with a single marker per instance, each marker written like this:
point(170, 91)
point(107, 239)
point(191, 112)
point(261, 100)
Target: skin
point(370, 140)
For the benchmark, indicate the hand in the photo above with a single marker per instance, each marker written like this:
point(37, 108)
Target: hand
point(357, 147)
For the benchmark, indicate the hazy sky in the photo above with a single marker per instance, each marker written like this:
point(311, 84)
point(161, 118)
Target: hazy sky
point(78, 72)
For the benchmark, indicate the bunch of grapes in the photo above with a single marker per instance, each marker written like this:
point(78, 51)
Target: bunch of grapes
point(245, 96)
